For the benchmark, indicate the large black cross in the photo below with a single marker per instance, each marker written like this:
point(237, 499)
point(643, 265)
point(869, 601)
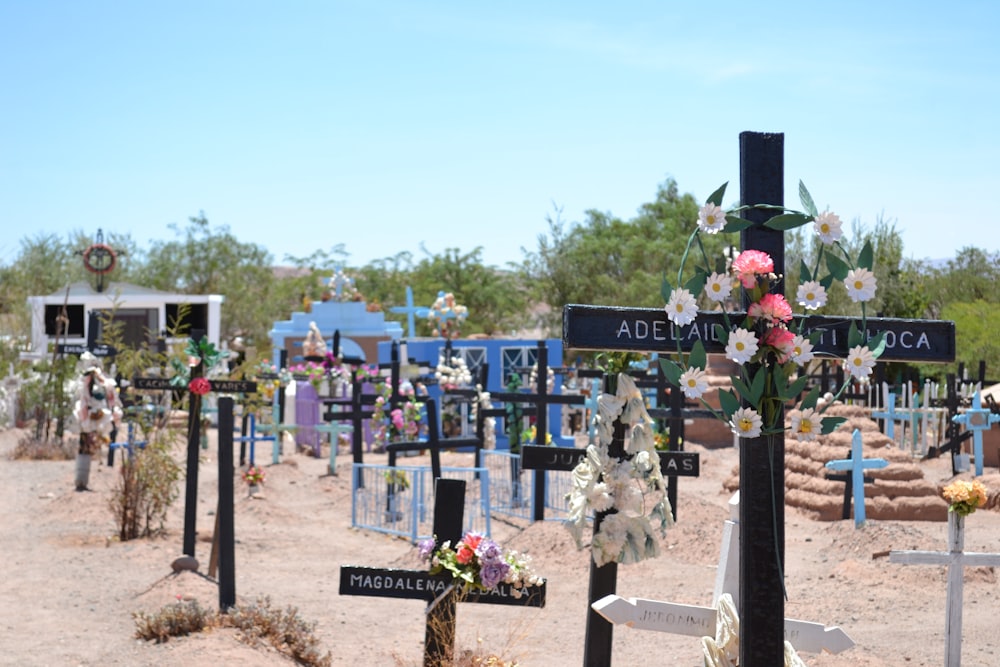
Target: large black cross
point(194, 437)
point(439, 636)
point(761, 469)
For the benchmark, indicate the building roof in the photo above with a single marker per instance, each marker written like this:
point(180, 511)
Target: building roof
point(82, 289)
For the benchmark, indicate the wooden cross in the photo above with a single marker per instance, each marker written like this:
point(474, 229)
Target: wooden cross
point(857, 464)
point(439, 636)
point(977, 419)
point(700, 621)
point(889, 415)
point(956, 560)
point(129, 445)
point(761, 459)
point(411, 312)
point(194, 417)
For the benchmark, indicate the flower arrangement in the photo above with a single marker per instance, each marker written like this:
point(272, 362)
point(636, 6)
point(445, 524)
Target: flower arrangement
point(529, 434)
point(964, 497)
point(401, 423)
point(397, 478)
point(196, 352)
point(312, 372)
point(629, 492)
point(479, 563)
point(769, 353)
point(254, 475)
point(447, 315)
point(550, 379)
point(453, 373)
point(199, 386)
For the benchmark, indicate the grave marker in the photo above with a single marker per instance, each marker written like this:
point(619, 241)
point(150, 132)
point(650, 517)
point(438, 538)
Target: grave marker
point(411, 312)
point(956, 560)
point(977, 419)
point(439, 636)
point(857, 464)
point(761, 459)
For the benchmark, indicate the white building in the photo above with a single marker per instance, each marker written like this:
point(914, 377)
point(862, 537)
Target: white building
point(146, 314)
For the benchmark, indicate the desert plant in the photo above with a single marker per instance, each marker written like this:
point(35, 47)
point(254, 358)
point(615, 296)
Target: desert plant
point(257, 623)
point(146, 487)
point(43, 450)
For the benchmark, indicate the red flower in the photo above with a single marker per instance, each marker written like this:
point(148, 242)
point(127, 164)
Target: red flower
point(467, 548)
point(781, 340)
point(199, 386)
point(772, 307)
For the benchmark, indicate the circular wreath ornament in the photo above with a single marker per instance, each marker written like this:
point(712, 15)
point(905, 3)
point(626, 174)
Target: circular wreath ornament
point(100, 258)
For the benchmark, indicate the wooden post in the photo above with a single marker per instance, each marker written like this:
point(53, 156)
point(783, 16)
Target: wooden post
point(762, 459)
point(191, 475)
point(227, 533)
point(449, 507)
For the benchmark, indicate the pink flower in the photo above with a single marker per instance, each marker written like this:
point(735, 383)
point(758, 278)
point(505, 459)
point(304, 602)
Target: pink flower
point(397, 419)
point(781, 340)
point(752, 263)
point(772, 307)
point(199, 386)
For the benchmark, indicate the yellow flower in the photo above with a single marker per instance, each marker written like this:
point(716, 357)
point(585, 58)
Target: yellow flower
point(964, 497)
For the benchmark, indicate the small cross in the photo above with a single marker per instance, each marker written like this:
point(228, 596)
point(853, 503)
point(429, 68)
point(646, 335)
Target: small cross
point(977, 419)
point(338, 282)
point(411, 312)
point(857, 464)
point(956, 559)
point(890, 415)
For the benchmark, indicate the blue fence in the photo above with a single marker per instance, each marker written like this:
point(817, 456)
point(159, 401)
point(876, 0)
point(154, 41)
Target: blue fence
point(400, 500)
point(512, 489)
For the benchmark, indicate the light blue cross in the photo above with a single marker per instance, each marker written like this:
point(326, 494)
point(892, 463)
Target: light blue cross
point(591, 405)
point(411, 312)
point(977, 419)
point(277, 429)
point(857, 464)
point(334, 428)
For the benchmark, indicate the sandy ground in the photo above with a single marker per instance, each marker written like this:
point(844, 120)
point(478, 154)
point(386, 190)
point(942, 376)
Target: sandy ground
point(69, 587)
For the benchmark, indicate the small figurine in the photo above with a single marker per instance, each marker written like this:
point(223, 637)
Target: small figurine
point(314, 345)
point(98, 411)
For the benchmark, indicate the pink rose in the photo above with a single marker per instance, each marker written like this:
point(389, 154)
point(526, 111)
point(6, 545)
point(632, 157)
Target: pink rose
point(199, 386)
point(782, 340)
point(752, 263)
point(772, 307)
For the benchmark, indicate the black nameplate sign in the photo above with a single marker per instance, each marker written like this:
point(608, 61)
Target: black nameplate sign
point(222, 386)
point(77, 349)
point(419, 585)
point(540, 457)
point(649, 330)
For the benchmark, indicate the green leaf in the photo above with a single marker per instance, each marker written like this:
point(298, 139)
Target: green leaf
point(697, 357)
point(716, 197)
point(721, 333)
point(697, 282)
point(665, 289)
point(757, 386)
point(829, 424)
point(795, 388)
point(807, 200)
point(815, 335)
point(810, 399)
point(827, 280)
point(741, 388)
point(838, 267)
point(735, 223)
point(877, 344)
point(804, 274)
point(787, 221)
point(867, 257)
point(671, 371)
point(854, 336)
point(728, 402)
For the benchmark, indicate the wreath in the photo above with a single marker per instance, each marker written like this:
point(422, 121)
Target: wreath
point(98, 252)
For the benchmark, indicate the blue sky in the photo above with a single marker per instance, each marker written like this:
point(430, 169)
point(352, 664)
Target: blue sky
point(386, 125)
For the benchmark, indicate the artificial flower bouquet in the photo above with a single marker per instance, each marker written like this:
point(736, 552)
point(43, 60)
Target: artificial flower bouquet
point(964, 497)
point(478, 563)
point(254, 475)
point(765, 343)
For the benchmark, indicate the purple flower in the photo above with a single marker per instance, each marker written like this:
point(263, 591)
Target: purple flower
point(493, 572)
point(489, 552)
point(426, 548)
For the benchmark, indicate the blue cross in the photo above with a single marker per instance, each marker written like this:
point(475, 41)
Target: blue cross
point(591, 406)
point(253, 438)
point(334, 428)
point(411, 312)
point(977, 419)
point(857, 464)
point(890, 415)
point(277, 429)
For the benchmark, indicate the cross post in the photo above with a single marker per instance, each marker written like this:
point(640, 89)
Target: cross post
point(857, 464)
point(977, 419)
point(411, 312)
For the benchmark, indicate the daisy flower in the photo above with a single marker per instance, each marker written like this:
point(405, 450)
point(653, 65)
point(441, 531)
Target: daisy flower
point(802, 350)
point(693, 382)
point(811, 295)
point(860, 284)
point(681, 307)
point(711, 219)
point(828, 227)
point(805, 424)
point(860, 362)
point(742, 346)
point(718, 287)
point(746, 423)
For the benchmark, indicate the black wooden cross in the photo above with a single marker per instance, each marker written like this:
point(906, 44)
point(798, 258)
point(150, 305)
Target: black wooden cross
point(439, 636)
point(761, 476)
point(194, 436)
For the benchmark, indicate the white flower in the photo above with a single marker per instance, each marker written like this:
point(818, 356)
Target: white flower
point(746, 423)
point(681, 307)
point(811, 294)
point(642, 438)
point(827, 227)
point(711, 218)
point(802, 350)
point(599, 498)
point(805, 424)
point(608, 409)
point(742, 346)
point(860, 284)
point(860, 362)
point(634, 410)
point(719, 286)
point(693, 382)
